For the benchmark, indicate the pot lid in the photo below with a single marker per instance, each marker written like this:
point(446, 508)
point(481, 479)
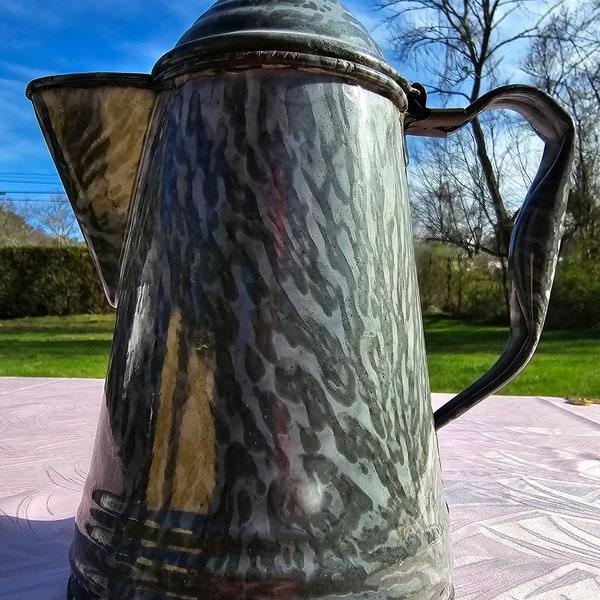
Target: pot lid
point(286, 28)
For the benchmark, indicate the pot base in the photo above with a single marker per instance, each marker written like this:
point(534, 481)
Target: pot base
point(76, 592)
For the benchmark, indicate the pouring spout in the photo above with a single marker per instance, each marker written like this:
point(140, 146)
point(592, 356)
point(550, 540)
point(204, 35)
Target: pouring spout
point(95, 126)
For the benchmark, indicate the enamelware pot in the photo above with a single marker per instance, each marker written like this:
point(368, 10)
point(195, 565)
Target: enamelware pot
point(267, 429)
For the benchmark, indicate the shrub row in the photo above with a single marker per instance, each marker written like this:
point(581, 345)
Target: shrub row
point(575, 299)
point(458, 285)
point(38, 281)
point(472, 288)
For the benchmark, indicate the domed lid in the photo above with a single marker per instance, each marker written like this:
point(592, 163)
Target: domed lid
point(286, 28)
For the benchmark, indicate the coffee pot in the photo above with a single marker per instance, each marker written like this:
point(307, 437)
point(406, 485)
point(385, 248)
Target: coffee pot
point(266, 430)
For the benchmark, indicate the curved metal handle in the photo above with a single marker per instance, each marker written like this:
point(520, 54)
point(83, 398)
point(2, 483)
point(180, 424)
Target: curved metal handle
point(537, 232)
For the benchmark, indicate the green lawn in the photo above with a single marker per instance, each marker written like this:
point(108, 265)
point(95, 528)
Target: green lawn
point(567, 363)
point(75, 346)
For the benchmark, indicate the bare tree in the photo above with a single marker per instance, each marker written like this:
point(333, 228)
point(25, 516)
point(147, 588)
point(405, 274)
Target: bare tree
point(445, 205)
point(464, 45)
point(564, 60)
point(38, 223)
point(56, 218)
point(15, 230)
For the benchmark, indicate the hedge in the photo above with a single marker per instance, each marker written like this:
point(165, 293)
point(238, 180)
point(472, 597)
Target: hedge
point(39, 281)
point(575, 299)
point(472, 288)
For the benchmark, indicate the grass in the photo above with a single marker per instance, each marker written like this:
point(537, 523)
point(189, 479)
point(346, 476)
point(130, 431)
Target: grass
point(567, 363)
point(75, 346)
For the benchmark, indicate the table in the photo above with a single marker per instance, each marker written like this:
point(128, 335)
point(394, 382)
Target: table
point(522, 478)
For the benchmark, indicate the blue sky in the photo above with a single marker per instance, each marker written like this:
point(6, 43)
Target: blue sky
point(49, 37)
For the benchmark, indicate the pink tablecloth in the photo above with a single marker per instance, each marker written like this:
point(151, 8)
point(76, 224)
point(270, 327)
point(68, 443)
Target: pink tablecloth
point(522, 479)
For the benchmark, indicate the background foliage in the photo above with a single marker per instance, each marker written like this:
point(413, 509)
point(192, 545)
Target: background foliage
point(37, 281)
point(455, 284)
point(465, 190)
point(62, 280)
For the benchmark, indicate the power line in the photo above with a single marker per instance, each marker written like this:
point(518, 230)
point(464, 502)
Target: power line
point(34, 183)
point(36, 180)
point(29, 177)
point(2, 173)
point(53, 193)
point(26, 200)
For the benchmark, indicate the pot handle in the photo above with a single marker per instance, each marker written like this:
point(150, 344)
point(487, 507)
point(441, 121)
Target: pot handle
point(536, 236)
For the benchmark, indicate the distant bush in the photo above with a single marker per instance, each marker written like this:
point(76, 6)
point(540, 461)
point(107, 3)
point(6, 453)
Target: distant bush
point(575, 299)
point(38, 281)
point(472, 288)
point(483, 291)
point(457, 285)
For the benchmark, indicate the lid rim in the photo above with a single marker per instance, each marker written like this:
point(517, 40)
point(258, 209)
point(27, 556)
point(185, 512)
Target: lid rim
point(398, 90)
point(270, 41)
point(318, 27)
point(89, 80)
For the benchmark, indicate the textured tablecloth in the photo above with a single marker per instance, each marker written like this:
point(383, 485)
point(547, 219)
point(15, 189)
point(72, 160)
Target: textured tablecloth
point(522, 479)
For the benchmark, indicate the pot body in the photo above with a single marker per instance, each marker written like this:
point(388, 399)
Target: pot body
point(267, 430)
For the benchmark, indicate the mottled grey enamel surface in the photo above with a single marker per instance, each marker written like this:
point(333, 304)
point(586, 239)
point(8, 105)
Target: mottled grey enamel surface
point(267, 431)
point(95, 126)
point(267, 395)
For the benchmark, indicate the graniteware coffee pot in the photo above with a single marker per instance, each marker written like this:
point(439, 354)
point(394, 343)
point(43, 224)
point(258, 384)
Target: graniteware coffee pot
point(267, 429)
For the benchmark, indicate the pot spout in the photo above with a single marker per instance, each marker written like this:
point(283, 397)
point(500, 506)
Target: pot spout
point(95, 126)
